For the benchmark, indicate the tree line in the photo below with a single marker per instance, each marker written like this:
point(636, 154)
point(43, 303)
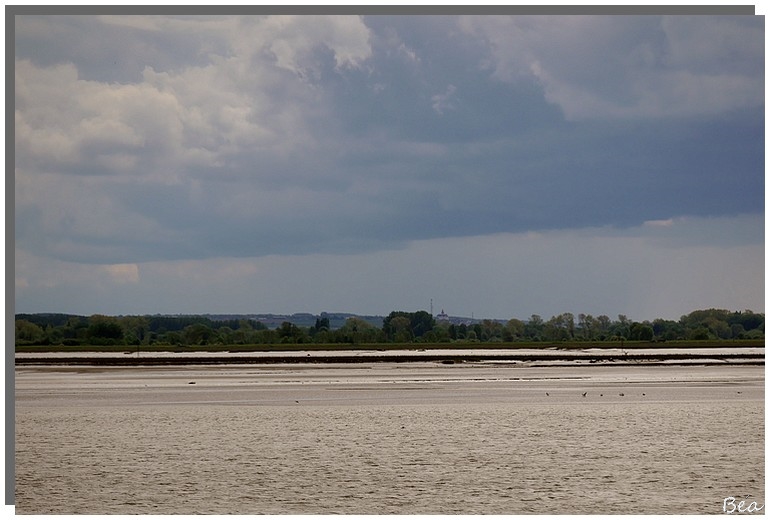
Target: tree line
point(397, 327)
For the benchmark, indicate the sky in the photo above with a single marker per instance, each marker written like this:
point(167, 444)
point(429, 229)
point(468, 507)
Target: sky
point(496, 166)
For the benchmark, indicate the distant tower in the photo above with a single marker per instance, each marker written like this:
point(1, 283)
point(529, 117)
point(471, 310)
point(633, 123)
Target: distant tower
point(431, 306)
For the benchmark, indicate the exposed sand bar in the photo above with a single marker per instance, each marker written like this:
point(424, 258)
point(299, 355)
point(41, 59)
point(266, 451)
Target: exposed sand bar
point(382, 383)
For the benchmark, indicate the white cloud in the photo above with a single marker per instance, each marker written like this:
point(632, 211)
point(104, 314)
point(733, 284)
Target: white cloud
point(123, 273)
point(198, 114)
point(292, 39)
point(35, 273)
point(81, 144)
point(444, 102)
point(660, 223)
point(619, 67)
point(67, 123)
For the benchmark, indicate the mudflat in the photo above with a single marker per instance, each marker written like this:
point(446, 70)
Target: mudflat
point(388, 438)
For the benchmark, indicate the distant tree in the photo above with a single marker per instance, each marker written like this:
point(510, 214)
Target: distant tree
point(717, 322)
point(514, 330)
point(719, 328)
point(748, 320)
point(104, 330)
point(586, 326)
point(325, 336)
point(171, 337)
point(401, 329)
point(462, 331)
point(403, 326)
point(197, 334)
point(641, 332)
point(54, 335)
point(63, 329)
point(452, 331)
point(559, 328)
point(757, 333)
point(321, 324)
point(478, 330)
point(135, 329)
point(397, 324)
point(603, 325)
point(737, 331)
point(534, 327)
point(569, 324)
point(491, 330)
point(266, 336)
point(421, 322)
point(699, 333)
point(439, 334)
point(28, 333)
point(356, 331)
point(667, 329)
point(622, 328)
point(290, 333)
point(227, 336)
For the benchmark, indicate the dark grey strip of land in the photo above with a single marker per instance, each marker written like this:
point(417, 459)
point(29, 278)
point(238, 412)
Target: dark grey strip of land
point(593, 358)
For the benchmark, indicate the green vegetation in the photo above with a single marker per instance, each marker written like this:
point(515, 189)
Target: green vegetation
point(49, 332)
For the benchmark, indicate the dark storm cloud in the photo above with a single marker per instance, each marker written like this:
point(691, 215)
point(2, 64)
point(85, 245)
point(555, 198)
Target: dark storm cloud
point(425, 83)
point(152, 138)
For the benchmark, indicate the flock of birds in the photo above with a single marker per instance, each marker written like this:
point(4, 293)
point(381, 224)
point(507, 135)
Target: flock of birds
point(621, 394)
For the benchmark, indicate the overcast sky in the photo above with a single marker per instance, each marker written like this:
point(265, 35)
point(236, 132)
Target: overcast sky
point(500, 166)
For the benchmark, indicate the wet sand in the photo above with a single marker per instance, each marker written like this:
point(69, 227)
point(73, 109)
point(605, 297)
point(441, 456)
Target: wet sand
point(387, 438)
point(382, 383)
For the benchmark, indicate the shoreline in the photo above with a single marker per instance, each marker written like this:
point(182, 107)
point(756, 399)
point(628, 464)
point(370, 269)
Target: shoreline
point(587, 357)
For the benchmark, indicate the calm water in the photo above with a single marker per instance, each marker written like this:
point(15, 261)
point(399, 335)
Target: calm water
point(388, 439)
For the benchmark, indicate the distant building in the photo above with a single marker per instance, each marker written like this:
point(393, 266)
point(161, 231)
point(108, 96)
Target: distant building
point(442, 316)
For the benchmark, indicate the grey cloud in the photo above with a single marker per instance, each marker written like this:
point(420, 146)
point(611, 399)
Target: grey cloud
point(597, 271)
point(715, 45)
point(295, 136)
point(112, 50)
point(638, 66)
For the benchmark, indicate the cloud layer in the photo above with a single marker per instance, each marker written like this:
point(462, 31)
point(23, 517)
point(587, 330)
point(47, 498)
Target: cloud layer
point(151, 139)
